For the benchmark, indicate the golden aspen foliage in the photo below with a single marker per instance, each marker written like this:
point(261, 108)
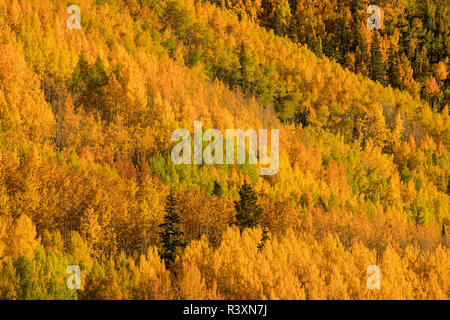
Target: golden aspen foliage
point(86, 120)
point(153, 278)
point(79, 250)
point(21, 238)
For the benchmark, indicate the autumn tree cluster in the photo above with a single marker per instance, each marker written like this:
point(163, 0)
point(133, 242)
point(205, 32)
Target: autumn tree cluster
point(86, 178)
point(409, 52)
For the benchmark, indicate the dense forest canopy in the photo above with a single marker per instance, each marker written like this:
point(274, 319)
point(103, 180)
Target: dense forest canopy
point(86, 178)
point(413, 41)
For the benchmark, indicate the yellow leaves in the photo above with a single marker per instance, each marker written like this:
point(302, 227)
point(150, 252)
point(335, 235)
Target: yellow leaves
point(307, 158)
point(440, 269)
point(397, 132)
point(394, 188)
point(149, 95)
point(80, 250)
point(427, 144)
point(204, 216)
point(279, 216)
point(152, 196)
point(440, 71)
point(394, 276)
point(193, 287)
point(153, 278)
point(296, 266)
point(52, 240)
point(20, 90)
point(375, 162)
point(407, 78)
point(431, 87)
point(362, 258)
point(21, 239)
point(337, 180)
point(134, 96)
point(4, 221)
point(91, 230)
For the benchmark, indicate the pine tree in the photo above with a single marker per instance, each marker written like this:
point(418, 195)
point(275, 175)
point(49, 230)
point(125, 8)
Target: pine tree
point(264, 238)
point(301, 117)
point(217, 189)
point(377, 69)
point(430, 16)
point(276, 22)
point(397, 132)
point(318, 47)
point(96, 81)
point(315, 44)
point(171, 236)
point(361, 55)
point(97, 75)
point(243, 66)
point(249, 213)
point(80, 73)
point(394, 69)
point(292, 31)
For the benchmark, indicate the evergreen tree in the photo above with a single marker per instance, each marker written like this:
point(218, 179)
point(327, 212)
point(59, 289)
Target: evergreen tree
point(80, 73)
point(315, 44)
point(377, 69)
point(394, 69)
point(97, 75)
point(361, 56)
point(249, 213)
point(301, 117)
point(217, 189)
point(292, 31)
point(430, 16)
point(171, 236)
point(96, 80)
point(355, 6)
point(243, 66)
point(318, 50)
point(264, 238)
point(276, 22)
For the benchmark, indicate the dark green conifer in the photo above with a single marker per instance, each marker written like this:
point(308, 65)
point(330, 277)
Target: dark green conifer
point(171, 235)
point(217, 189)
point(80, 73)
point(249, 213)
point(243, 66)
point(394, 69)
point(377, 69)
point(264, 238)
point(97, 75)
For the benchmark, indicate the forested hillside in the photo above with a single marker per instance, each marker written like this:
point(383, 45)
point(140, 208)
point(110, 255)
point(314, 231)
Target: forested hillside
point(86, 177)
point(410, 51)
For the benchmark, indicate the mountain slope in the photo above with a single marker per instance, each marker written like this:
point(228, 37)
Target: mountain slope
point(85, 138)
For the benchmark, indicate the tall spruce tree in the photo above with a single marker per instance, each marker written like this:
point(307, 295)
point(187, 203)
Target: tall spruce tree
point(80, 73)
point(302, 116)
point(361, 55)
point(243, 66)
point(171, 235)
point(394, 69)
point(265, 236)
point(217, 189)
point(97, 75)
point(249, 213)
point(377, 68)
point(96, 81)
point(276, 23)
